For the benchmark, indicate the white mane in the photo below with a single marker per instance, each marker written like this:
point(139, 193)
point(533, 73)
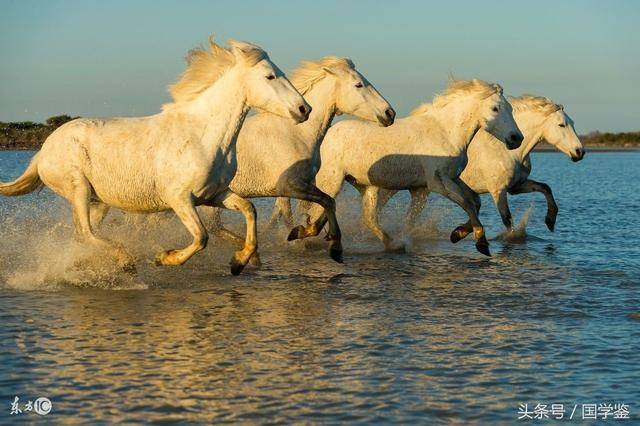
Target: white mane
point(206, 66)
point(458, 88)
point(534, 103)
point(311, 72)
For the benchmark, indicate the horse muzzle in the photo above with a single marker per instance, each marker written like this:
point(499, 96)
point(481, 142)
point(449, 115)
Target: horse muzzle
point(578, 155)
point(388, 118)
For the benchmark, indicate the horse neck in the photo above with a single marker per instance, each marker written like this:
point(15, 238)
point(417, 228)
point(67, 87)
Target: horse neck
point(322, 99)
point(221, 109)
point(530, 124)
point(458, 120)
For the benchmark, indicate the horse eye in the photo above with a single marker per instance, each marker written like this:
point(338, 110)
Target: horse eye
point(359, 85)
point(271, 77)
point(495, 109)
point(562, 125)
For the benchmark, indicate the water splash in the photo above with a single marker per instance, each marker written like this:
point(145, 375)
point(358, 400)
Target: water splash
point(518, 234)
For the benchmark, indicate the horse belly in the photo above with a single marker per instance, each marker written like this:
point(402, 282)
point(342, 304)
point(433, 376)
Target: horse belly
point(128, 191)
point(397, 171)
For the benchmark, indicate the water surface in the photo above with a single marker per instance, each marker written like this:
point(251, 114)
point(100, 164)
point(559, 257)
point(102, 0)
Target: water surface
point(440, 334)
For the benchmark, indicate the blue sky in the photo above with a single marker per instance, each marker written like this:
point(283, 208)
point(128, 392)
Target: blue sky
point(106, 58)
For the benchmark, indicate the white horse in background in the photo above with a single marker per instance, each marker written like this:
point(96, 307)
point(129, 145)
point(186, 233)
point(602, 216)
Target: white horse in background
point(427, 149)
point(177, 159)
point(498, 171)
point(277, 158)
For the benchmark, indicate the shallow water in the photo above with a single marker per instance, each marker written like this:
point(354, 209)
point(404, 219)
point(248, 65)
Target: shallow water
point(439, 335)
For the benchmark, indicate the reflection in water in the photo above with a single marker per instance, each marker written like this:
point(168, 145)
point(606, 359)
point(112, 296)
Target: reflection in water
point(440, 333)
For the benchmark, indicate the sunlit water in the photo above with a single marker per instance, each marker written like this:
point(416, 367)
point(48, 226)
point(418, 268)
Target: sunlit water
point(438, 335)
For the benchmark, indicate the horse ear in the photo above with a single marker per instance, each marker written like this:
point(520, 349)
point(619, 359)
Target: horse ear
point(498, 88)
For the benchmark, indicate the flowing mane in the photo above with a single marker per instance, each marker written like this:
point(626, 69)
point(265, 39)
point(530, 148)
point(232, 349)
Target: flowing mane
point(311, 72)
point(205, 66)
point(534, 103)
point(458, 88)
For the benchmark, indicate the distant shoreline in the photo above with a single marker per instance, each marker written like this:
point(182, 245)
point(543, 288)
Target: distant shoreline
point(29, 136)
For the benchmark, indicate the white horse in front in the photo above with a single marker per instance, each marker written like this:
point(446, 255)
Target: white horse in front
point(277, 158)
point(177, 159)
point(427, 149)
point(498, 171)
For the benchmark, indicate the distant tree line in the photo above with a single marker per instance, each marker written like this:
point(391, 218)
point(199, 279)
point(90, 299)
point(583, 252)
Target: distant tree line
point(30, 135)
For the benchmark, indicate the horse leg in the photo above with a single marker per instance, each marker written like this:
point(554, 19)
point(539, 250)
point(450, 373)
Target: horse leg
point(310, 192)
point(217, 228)
point(502, 204)
point(370, 213)
point(552, 208)
point(282, 209)
point(466, 228)
point(453, 190)
point(232, 201)
point(97, 211)
point(186, 212)
point(418, 200)
point(80, 203)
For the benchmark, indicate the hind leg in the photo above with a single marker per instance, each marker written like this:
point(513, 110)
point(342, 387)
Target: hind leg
point(418, 201)
point(79, 198)
point(370, 213)
point(282, 209)
point(97, 211)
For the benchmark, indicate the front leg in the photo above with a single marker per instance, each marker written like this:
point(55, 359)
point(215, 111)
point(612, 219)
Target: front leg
point(453, 189)
point(232, 201)
point(309, 192)
point(502, 204)
point(186, 211)
point(552, 208)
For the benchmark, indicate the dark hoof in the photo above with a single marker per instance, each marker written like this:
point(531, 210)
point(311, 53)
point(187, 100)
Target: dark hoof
point(550, 222)
point(296, 233)
point(236, 267)
point(483, 247)
point(458, 234)
point(336, 255)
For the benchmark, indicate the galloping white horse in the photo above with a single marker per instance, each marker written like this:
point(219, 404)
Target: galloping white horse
point(279, 159)
point(427, 149)
point(495, 170)
point(177, 159)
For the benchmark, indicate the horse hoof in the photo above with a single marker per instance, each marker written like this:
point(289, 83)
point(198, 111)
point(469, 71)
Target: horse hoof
point(236, 266)
point(166, 258)
point(483, 247)
point(550, 222)
point(458, 234)
point(296, 233)
point(336, 254)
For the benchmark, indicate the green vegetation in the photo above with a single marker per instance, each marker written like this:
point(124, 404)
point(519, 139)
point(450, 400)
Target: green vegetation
point(27, 134)
point(30, 135)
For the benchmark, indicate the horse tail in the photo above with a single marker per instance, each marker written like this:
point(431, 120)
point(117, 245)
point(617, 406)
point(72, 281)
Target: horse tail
point(28, 182)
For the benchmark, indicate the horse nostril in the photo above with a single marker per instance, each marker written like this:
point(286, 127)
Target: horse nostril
point(516, 137)
point(303, 110)
point(390, 113)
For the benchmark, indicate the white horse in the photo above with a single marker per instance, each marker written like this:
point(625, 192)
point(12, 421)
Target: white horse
point(279, 159)
point(495, 170)
point(427, 149)
point(177, 159)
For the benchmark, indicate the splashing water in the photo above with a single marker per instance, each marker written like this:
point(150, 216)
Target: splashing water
point(517, 234)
